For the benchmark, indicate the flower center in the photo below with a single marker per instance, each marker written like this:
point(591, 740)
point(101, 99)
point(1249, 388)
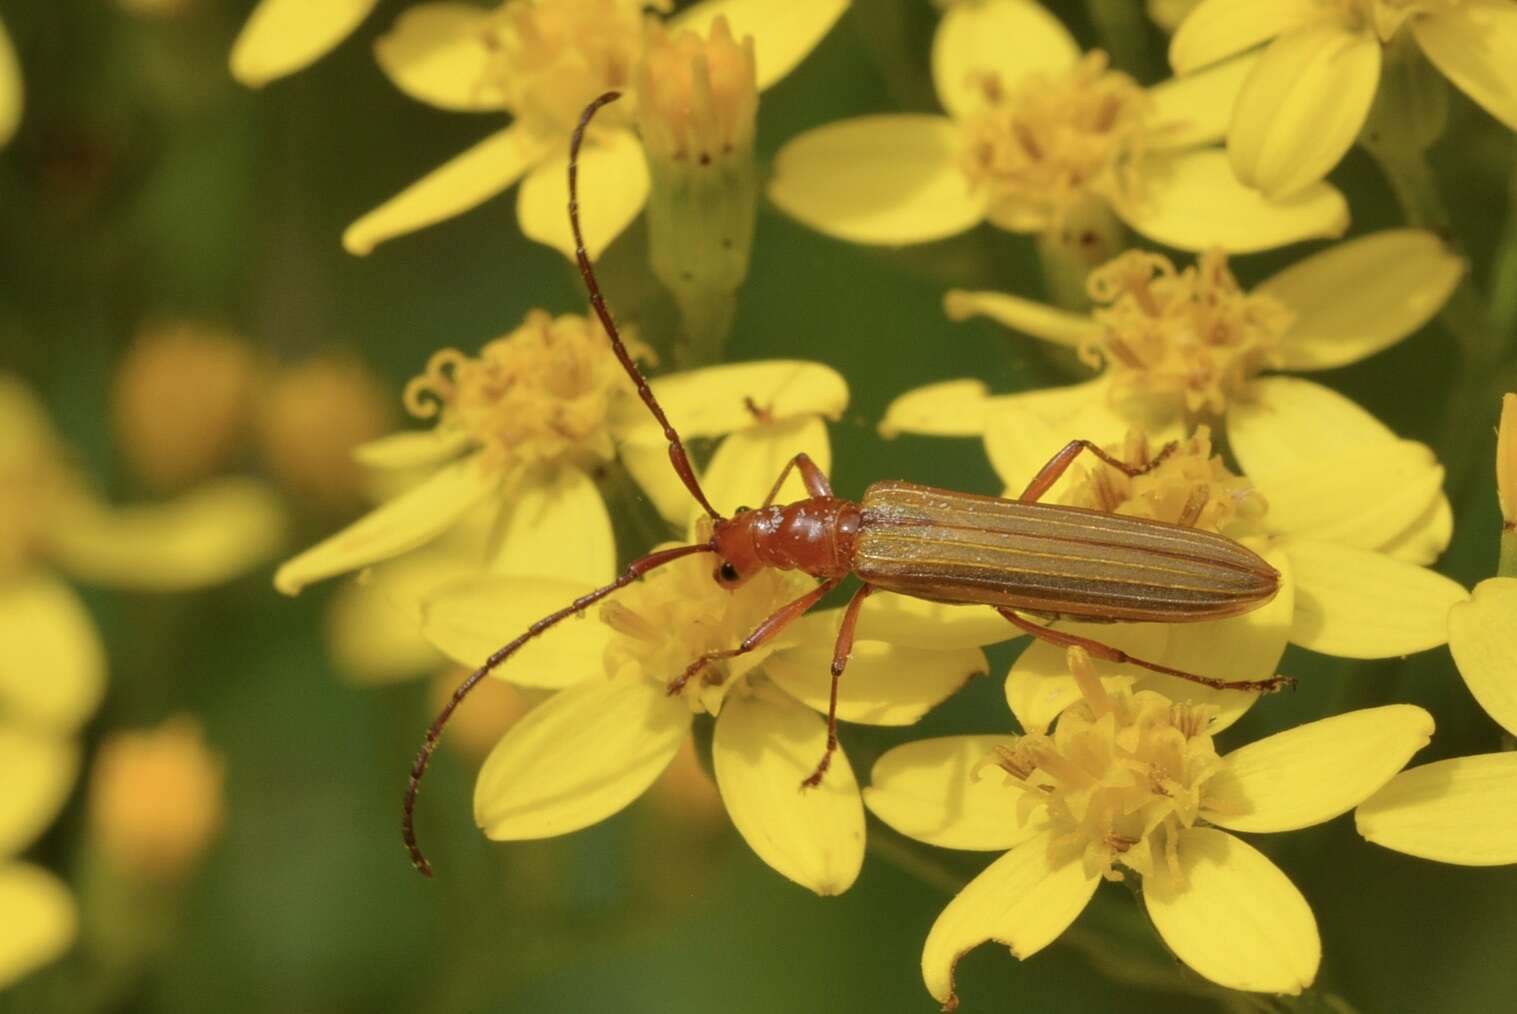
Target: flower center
point(1190, 487)
point(539, 395)
point(1193, 336)
point(1040, 147)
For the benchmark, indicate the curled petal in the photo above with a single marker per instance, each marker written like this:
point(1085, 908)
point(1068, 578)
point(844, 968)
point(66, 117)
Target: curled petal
point(1024, 900)
point(1455, 811)
point(437, 53)
point(1217, 29)
point(556, 525)
point(52, 671)
point(889, 179)
point(1234, 917)
point(1008, 38)
point(1314, 772)
point(1473, 46)
point(40, 920)
point(765, 746)
point(577, 758)
point(952, 408)
point(1482, 636)
point(283, 36)
point(1028, 316)
point(942, 792)
point(40, 768)
point(613, 187)
point(784, 31)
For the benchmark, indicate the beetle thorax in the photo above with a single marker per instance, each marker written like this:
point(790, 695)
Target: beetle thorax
point(815, 536)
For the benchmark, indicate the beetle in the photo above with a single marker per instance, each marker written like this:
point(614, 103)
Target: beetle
point(1021, 557)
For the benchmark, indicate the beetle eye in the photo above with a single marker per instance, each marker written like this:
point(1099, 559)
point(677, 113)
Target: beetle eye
point(727, 573)
point(742, 510)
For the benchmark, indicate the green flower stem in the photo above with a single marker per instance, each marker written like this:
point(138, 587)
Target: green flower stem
point(1504, 268)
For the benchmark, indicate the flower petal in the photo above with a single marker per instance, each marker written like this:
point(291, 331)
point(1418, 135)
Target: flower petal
point(784, 31)
point(1473, 46)
point(744, 468)
point(934, 790)
point(437, 53)
point(1039, 686)
point(412, 448)
point(764, 746)
point(1027, 316)
point(1314, 772)
point(888, 179)
point(11, 88)
point(1286, 422)
point(1009, 38)
point(52, 672)
point(462, 183)
point(1455, 811)
point(373, 623)
point(410, 520)
point(1234, 917)
point(282, 36)
point(884, 684)
point(470, 618)
point(1353, 603)
point(613, 188)
point(1299, 112)
point(217, 531)
point(1356, 298)
point(715, 400)
point(1024, 900)
point(40, 921)
point(1482, 633)
point(941, 626)
point(1193, 201)
point(40, 769)
point(1426, 538)
point(951, 408)
point(1198, 108)
point(556, 525)
point(1217, 29)
point(577, 758)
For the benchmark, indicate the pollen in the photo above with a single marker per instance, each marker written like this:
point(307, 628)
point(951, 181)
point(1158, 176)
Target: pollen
point(1191, 336)
point(1043, 145)
point(540, 395)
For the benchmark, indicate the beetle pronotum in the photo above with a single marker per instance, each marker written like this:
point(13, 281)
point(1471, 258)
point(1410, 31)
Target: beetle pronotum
point(1017, 556)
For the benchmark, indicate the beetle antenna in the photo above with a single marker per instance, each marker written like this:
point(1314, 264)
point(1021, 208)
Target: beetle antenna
point(419, 767)
point(677, 456)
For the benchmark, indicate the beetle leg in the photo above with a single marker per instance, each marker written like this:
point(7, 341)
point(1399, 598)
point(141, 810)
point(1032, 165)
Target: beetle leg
point(1065, 639)
point(1059, 464)
point(777, 621)
point(839, 662)
point(814, 478)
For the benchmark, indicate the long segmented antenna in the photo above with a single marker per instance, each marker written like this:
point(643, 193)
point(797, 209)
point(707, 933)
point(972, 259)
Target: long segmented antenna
point(419, 767)
point(677, 456)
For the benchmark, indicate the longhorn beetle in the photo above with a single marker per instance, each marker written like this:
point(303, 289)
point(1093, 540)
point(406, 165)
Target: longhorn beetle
point(1017, 556)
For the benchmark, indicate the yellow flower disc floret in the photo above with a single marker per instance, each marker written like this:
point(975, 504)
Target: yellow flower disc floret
point(539, 395)
point(1041, 146)
point(1191, 335)
point(698, 98)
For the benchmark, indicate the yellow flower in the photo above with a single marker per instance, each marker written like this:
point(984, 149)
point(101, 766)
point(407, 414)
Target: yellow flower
point(1038, 135)
point(1307, 97)
point(1506, 463)
point(1168, 14)
point(283, 36)
point(521, 431)
point(541, 62)
point(11, 91)
point(1132, 783)
point(613, 727)
point(155, 798)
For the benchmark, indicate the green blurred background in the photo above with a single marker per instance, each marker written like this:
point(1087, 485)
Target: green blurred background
point(144, 183)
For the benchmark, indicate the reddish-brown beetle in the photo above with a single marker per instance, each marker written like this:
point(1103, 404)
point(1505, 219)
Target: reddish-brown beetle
point(1018, 556)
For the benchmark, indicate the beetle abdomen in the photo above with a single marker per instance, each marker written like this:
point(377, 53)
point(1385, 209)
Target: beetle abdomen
point(959, 547)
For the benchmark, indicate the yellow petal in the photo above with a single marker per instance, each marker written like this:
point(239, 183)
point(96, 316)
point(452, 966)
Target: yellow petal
point(437, 53)
point(1299, 112)
point(577, 758)
point(650, 468)
point(1039, 687)
point(1426, 538)
point(1028, 316)
point(11, 88)
point(40, 921)
point(763, 748)
point(1198, 108)
point(1483, 641)
point(952, 408)
point(1008, 38)
point(941, 792)
point(556, 525)
point(470, 618)
point(918, 623)
point(884, 684)
point(1193, 201)
point(1473, 46)
point(465, 182)
point(1286, 422)
point(282, 36)
point(1353, 603)
point(613, 186)
point(373, 623)
point(1356, 298)
point(1314, 772)
point(218, 531)
point(52, 672)
point(1234, 917)
point(1023, 900)
point(40, 768)
point(1506, 459)
point(715, 400)
point(1217, 29)
point(410, 520)
point(412, 449)
point(888, 179)
point(1455, 811)
point(744, 468)
point(784, 31)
